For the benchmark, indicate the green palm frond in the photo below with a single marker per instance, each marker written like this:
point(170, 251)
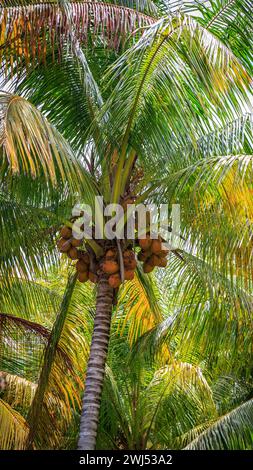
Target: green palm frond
point(35, 413)
point(141, 401)
point(23, 250)
point(232, 431)
point(173, 82)
point(235, 137)
point(215, 196)
point(22, 346)
point(231, 21)
point(26, 353)
point(35, 301)
point(208, 320)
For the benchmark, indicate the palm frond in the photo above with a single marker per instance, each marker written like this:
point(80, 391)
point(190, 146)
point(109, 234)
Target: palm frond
point(232, 431)
point(174, 82)
point(18, 392)
point(58, 396)
point(231, 21)
point(25, 251)
point(30, 145)
point(34, 416)
point(28, 31)
point(139, 306)
point(203, 304)
point(34, 300)
point(22, 345)
point(235, 137)
point(13, 429)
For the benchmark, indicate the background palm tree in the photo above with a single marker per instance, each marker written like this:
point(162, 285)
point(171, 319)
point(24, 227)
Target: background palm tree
point(153, 113)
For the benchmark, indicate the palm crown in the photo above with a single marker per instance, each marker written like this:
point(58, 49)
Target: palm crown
point(151, 102)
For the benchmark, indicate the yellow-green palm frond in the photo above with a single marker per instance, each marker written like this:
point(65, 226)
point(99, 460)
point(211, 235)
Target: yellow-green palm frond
point(29, 31)
point(13, 430)
point(17, 391)
point(31, 146)
point(139, 307)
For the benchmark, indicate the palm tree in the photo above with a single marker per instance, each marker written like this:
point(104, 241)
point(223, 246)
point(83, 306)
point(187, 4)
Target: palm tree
point(125, 120)
point(169, 394)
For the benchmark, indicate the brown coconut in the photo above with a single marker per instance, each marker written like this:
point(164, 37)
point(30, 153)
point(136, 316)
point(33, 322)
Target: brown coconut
point(155, 260)
point(83, 276)
point(130, 264)
point(145, 243)
point(85, 257)
point(164, 253)
point(156, 246)
point(110, 267)
point(73, 253)
point(129, 260)
point(128, 275)
point(111, 254)
point(163, 262)
point(76, 243)
point(114, 280)
point(142, 255)
point(81, 266)
point(66, 232)
point(148, 267)
point(128, 254)
point(64, 245)
point(93, 277)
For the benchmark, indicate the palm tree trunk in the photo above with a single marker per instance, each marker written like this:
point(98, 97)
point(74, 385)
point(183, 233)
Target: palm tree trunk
point(96, 367)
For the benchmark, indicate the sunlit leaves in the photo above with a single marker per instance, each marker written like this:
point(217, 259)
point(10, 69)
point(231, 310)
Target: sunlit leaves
point(13, 428)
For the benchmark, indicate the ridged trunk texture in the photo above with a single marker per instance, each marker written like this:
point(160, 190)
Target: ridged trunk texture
point(96, 367)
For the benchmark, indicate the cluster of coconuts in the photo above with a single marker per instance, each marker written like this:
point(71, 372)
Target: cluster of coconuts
point(152, 253)
point(69, 246)
point(111, 266)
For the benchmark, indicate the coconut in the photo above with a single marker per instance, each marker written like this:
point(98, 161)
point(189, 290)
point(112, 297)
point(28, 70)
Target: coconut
point(145, 243)
point(114, 280)
point(128, 254)
point(85, 257)
point(155, 260)
point(110, 267)
point(76, 243)
point(156, 246)
point(93, 277)
point(147, 267)
point(111, 254)
point(64, 245)
point(163, 262)
point(83, 276)
point(130, 264)
point(81, 266)
point(129, 260)
point(128, 275)
point(142, 255)
point(164, 253)
point(73, 253)
point(66, 232)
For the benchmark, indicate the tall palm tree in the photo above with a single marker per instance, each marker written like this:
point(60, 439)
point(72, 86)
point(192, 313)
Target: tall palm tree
point(169, 394)
point(124, 120)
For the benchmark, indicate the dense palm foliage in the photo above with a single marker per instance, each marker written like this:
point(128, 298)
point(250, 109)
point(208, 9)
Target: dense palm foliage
point(151, 99)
